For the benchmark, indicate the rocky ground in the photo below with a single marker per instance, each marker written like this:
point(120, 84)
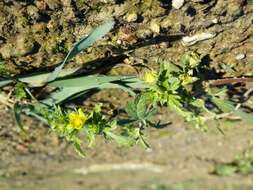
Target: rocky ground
point(36, 35)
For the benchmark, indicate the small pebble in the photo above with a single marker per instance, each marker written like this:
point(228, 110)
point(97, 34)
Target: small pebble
point(191, 40)
point(154, 27)
point(177, 4)
point(215, 21)
point(240, 56)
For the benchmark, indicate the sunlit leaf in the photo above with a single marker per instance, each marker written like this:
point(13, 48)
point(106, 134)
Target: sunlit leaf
point(5, 82)
point(96, 34)
point(78, 149)
point(121, 140)
point(227, 107)
point(225, 170)
point(20, 92)
point(224, 105)
point(91, 80)
point(245, 116)
point(143, 142)
point(79, 85)
point(38, 79)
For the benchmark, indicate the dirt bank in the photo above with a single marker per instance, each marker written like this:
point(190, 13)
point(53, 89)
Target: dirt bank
point(37, 34)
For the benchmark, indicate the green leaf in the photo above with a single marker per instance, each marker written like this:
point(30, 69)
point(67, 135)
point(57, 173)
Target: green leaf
point(190, 60)
point(141, 107)
point(174, 83)
point(245, 166)
point(20, 92)
point(227, 107)
point(61, 95)
point(91, 80)
point(225, 170)
point(96, 34)
point(75, 86)
point(5, 82)
point(78, 149)
point(246, 169)
point(17, 113)
point(34, 110)
point(131, 109)
point(121, 140)
point(3, 69)
point(143, 142)
point(151, 112)
point(134, 83)
point(91, 138)
point(218, 92)
point(29, 110)
point(245, 116)
point(38, 79)
point(138, 109)
point(224, 105)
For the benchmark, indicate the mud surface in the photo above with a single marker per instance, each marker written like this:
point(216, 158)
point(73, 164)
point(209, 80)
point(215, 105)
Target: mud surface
point(36, 35)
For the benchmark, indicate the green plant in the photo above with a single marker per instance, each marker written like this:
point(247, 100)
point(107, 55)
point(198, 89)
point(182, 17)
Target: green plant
point(139, 111)
point(171, 86)
point(72, 124)
point(20, 92)
point(242, 164)
point(3, 69)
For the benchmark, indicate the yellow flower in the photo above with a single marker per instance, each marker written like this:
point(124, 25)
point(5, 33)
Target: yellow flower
point(187, 79)
point(150, 77)
point(76, 119)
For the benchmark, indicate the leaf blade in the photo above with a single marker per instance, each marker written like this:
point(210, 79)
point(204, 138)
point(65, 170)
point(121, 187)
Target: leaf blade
point(17, 114)
point(85, 42)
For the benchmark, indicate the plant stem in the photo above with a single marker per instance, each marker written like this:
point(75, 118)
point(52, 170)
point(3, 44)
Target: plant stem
point(224, 81)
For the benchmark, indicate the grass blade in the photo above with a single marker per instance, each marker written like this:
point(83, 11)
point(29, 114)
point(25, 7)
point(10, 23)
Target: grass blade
point(37, 80)
point(245, 116)
point(224, 105)
point(17, 113)
point(91, 80)
point(96, 34)
point(61, 95)
point(227, 106)
point(5, 82)
point(75, 87)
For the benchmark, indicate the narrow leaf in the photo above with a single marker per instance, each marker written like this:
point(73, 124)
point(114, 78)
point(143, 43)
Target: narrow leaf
point(245, 116)
point(121, 140)
point(61, 95)
point(143, 142)
point(17, 113)
point(5, 82)
point(91, 80)
point(96, 34)
point(75, 86)
point(78, 149)
point(227, 106)
point(224, 105)
point(37, 80)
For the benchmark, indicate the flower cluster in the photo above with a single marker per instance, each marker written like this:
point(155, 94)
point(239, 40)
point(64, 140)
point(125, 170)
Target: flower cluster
point(76, 119)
